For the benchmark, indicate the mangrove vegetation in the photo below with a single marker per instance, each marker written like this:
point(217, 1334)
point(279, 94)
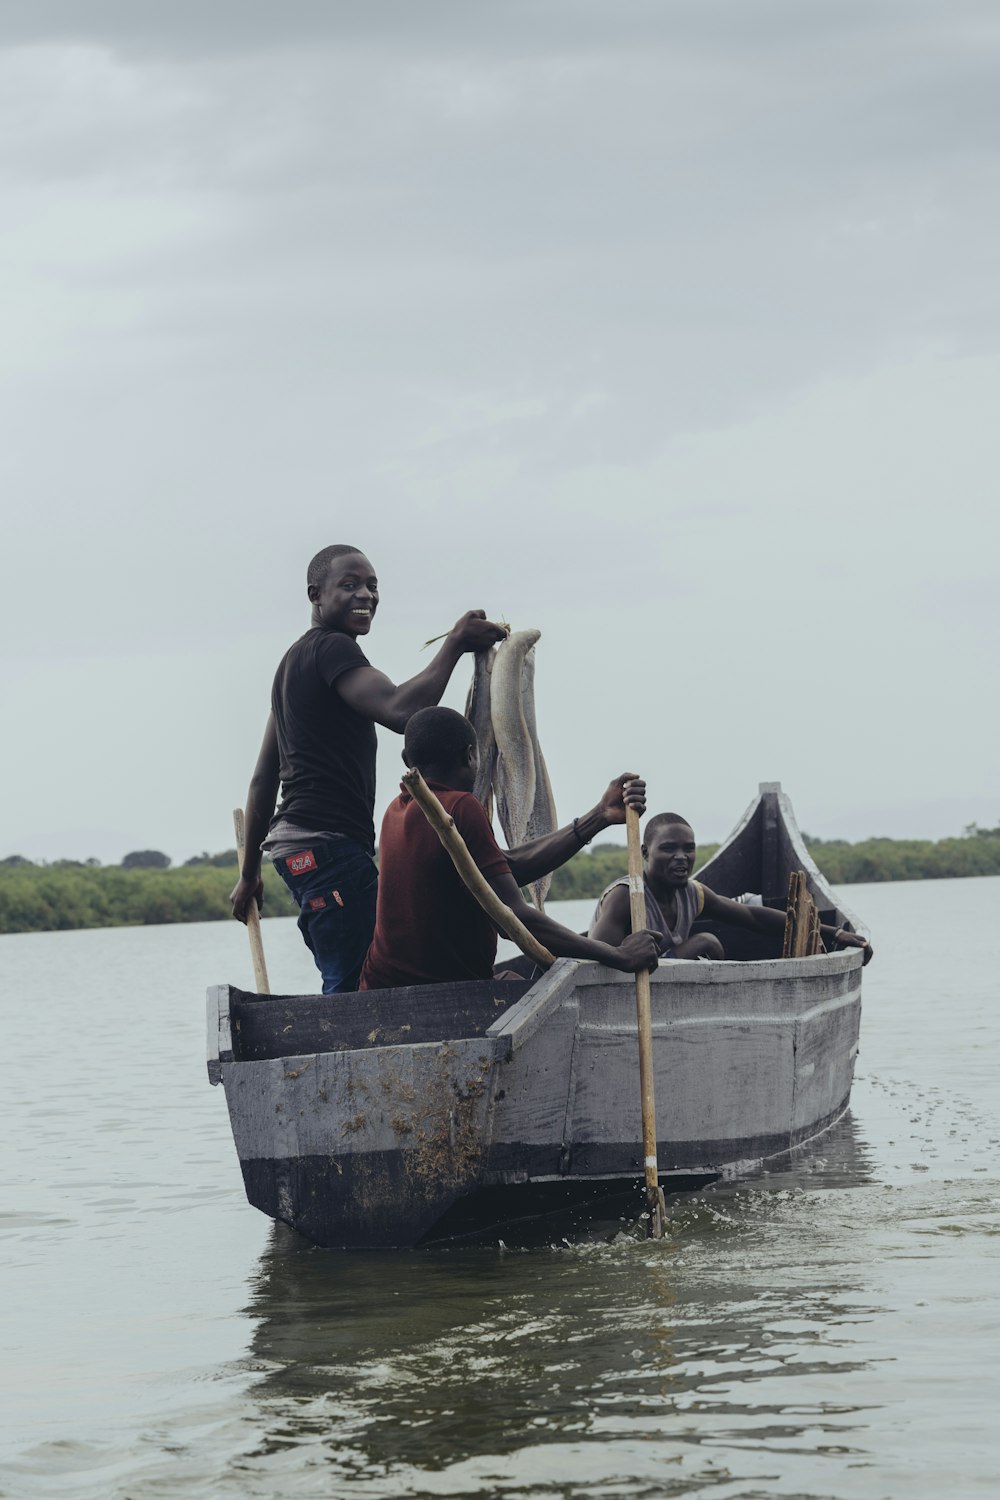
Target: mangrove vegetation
point(143, 890)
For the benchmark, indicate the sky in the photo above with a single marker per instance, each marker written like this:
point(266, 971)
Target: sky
point(670, 329)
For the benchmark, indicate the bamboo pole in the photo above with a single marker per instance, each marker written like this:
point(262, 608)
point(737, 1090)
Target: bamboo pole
point(655, 1204)
point(253, 915)
point(470, 873)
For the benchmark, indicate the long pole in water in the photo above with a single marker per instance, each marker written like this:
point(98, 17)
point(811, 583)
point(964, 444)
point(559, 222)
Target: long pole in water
point(655, 1206)
point(253, 915)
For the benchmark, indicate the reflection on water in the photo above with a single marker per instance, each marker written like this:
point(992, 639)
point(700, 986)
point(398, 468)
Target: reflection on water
point(405, 1365)
point(826, 1331)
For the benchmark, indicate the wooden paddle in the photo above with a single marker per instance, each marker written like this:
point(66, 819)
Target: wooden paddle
point(655, 1205)
point(253, 915)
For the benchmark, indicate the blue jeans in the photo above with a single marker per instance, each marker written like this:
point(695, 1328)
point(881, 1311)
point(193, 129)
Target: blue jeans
point(334, 883)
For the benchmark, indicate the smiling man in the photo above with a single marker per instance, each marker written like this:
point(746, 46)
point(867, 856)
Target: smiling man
point(674, 902)
point(319, 744)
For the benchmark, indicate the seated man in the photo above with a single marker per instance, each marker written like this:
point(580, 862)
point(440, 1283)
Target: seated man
point(674, 902)
point(429, 929)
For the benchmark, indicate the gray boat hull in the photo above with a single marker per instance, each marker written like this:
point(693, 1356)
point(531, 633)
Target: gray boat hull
point(384, 1119)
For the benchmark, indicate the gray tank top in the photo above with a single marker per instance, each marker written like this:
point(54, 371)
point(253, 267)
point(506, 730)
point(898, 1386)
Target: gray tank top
point(690, 901)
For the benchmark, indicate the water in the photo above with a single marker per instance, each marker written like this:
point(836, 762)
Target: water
point(827, 1331)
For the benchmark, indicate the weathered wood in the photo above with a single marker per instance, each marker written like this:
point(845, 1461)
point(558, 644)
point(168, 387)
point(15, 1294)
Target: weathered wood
point(802, 934)
point(826, 1048)
point(220, 1046)
point(253, 915)
point(656, 1209)
point(523, 1019)
point(395, 1134)
point(470, 873)
point(292, 1026)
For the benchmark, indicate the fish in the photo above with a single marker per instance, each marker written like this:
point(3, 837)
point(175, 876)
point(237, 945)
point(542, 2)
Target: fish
point(514, 781)
point(512, 770)
point(542, 819)
point(478, 712)
point(525, 803)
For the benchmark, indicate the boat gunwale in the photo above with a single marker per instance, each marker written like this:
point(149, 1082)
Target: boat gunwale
point(510, 1032)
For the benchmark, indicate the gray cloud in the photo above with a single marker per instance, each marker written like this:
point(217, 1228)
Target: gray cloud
point(675, 325)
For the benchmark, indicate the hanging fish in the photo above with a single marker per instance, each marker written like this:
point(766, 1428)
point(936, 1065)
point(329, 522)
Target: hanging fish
point(514, 782)
point(478, 712)
point(542, 819)
point(525, 804)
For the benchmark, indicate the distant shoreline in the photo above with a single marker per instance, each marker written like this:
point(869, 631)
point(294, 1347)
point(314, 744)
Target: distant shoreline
point(67, 895)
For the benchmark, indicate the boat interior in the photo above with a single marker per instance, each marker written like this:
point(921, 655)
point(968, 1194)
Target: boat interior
point(756, 862)
point(265, 1026)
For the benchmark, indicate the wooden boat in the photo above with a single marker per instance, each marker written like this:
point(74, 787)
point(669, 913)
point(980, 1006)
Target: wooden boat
point(398, 1117)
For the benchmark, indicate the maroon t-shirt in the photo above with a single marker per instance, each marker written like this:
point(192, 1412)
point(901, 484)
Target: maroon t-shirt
point(429, 928)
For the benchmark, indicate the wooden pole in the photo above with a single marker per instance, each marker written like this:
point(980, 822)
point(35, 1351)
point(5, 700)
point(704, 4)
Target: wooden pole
point(655, 1204)
point(802, 934)
point(253, 915)
point(470, 873)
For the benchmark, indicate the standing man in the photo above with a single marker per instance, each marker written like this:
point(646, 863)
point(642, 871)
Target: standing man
point(320, 744)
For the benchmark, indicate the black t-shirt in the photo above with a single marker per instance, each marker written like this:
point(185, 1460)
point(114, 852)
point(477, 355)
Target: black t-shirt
point(327, 750)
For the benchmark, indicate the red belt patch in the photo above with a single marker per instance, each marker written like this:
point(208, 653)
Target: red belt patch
point(298, 864)
point(317, 903)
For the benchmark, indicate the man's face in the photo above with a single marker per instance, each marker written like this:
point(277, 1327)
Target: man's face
point(348, 596)
point(670, 854)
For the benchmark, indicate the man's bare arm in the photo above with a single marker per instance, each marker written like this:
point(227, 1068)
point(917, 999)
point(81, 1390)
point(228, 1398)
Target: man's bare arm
point(530, 861)
point(636, 952)
point(614, 920)
point(370, 692)
point(261, 798)
point(767, 919)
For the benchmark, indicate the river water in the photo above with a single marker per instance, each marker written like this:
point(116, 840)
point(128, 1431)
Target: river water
point(826, 1331)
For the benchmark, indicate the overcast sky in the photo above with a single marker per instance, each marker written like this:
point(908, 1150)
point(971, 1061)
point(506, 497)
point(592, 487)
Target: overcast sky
point(671, 329)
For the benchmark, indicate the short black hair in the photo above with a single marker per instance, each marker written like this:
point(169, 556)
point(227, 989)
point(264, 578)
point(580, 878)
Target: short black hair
point(660, 820)
point(320, 564)
point(437, 737)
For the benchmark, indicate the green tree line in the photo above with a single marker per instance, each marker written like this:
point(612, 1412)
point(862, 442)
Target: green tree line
point(976, 853)
point(68, 894)
point(51, 898)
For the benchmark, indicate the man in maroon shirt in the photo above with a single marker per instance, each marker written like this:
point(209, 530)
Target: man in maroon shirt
point(429, 929)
